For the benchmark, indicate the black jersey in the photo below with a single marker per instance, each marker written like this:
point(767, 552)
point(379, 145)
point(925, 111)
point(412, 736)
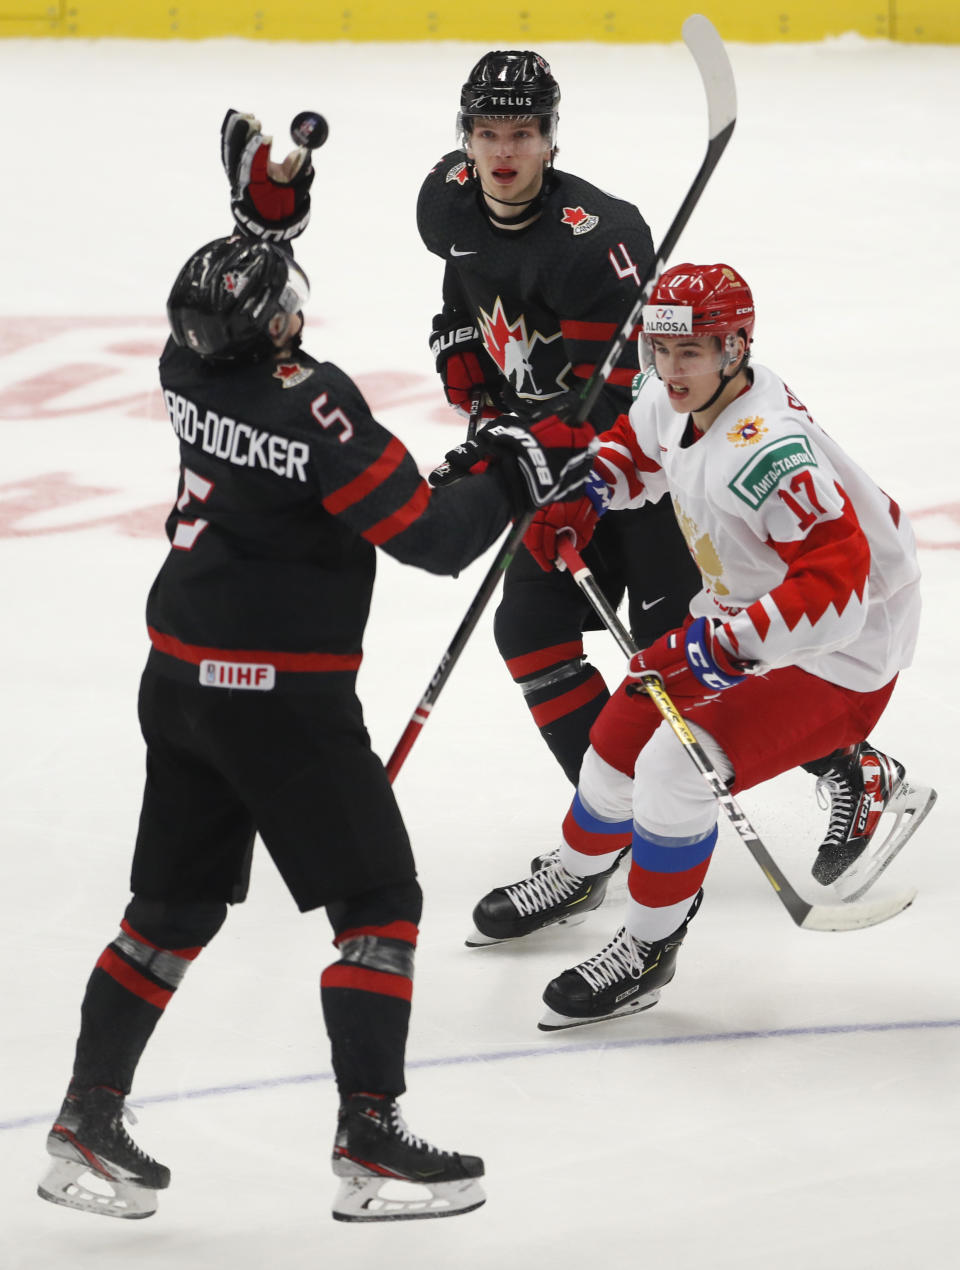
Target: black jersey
point(547, 299)
point(287, 485)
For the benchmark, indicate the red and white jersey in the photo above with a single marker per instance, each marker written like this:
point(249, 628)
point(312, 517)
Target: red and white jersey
point(804, 559)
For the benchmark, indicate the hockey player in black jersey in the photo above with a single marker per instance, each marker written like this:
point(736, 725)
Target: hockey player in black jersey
point(250, 715)
point(541, 267)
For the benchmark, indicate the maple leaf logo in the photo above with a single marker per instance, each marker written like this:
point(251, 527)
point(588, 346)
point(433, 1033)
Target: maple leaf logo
point(292, 373)
point(508, 345)
point(581, 222)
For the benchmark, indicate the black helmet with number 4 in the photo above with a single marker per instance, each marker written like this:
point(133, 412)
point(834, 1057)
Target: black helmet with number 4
point(227, 295)
point(510, 84)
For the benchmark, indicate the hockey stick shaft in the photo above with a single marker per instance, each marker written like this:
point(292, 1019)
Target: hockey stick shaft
point(712, 61)
point(456, 646)
point(476, 406)
point(809, 916)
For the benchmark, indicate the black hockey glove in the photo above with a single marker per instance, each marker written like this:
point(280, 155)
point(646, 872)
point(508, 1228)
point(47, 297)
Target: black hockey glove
point(545, 463)
point(458, 351)
point(269, 200)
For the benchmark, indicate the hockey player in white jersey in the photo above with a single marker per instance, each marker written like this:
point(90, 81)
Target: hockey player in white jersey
point(809, 609)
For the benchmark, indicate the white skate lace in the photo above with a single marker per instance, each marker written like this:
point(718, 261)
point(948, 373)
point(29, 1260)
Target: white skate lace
point(399, 1125)
point(835, 793)
point(624, 956)
point(549, 886)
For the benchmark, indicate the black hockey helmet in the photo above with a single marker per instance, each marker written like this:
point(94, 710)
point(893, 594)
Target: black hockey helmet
point(228, 293)
point(510, 84)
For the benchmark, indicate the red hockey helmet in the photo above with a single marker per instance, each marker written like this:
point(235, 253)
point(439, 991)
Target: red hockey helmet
point(700, 300)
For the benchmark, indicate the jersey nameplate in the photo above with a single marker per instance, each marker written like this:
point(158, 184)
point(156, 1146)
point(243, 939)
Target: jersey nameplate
point(237, 674)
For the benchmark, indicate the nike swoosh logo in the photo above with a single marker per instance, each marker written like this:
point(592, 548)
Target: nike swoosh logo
point(454, 252)
point(648, 604)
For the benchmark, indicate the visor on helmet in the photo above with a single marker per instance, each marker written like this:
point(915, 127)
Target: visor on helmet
point(296, 292)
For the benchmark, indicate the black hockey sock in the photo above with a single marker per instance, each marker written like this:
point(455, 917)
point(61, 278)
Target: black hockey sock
point(366, 1007)
point(130, 987)
point(565, 712)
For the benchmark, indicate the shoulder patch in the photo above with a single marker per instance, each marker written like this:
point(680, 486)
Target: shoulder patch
point(292, 373)
point(580, 221)
point(761, 475)
point(459, 173)
point(748, 431)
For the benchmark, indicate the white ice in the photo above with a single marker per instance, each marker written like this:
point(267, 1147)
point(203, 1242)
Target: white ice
point(793, 1100)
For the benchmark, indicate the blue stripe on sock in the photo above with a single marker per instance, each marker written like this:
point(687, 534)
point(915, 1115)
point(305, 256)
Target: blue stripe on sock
point(590, 823)
point(661, 857)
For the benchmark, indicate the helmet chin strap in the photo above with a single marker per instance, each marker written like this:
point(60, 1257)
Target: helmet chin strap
point(532, 205)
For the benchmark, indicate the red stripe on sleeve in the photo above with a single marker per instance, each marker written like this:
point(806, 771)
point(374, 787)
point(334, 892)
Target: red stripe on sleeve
point(402, 519)
point(132, 980)
point(593, 331)
point(368, 480)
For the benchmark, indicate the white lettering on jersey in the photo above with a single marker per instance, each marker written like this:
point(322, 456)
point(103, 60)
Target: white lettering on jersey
point(236, 442)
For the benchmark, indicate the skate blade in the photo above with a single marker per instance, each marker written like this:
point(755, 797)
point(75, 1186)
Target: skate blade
point(360, 1199)
point(911, 804)
point(477, 939)
point(554, 1022)
point(73, 1185)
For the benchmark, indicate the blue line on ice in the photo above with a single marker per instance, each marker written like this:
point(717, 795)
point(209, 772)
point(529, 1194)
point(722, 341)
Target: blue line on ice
point(546, 1050)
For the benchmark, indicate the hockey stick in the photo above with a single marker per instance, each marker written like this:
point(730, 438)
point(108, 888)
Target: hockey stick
point(849, 916)
point(476, 405)
point(701, 38)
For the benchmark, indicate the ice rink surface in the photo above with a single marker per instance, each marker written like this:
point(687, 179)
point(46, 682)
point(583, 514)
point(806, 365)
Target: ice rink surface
point(793, 1100)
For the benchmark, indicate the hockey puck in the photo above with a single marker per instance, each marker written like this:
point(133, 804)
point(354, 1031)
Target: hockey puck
point(309, 129)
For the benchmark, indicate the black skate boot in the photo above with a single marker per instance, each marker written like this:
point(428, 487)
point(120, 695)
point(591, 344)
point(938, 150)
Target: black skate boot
point(858, 786)
point(550, 896)
point(97, 1167)
point(625, 977)
point(373, 1146)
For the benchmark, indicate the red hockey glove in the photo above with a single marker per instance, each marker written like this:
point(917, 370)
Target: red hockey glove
point(269, 200)
point(578, 517)
point(689, 662)
point(457, 349)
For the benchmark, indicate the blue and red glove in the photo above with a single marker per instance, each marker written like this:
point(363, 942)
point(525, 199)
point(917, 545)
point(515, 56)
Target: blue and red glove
point(269, 200)
point(578, 518)
point(689, 661)
point(457, 349)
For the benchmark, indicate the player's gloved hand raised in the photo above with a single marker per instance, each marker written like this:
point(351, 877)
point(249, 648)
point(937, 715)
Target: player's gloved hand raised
point(576, 517)
point(269, 200)
point(457, 349)
point(689, 661)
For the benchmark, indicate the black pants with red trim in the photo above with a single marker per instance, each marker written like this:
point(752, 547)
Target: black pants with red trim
point(541, 618)
point(223, 765)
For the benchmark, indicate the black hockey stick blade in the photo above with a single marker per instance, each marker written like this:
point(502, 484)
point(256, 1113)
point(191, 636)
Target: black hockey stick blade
point(828, 917)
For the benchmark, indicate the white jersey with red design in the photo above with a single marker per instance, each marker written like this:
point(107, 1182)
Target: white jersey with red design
point(804, 559)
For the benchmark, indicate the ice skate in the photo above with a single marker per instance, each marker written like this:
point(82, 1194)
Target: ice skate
point(858, 788)
point(374, 1148)
point(550, 896)
point(97, 1167)
point(623, 978)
